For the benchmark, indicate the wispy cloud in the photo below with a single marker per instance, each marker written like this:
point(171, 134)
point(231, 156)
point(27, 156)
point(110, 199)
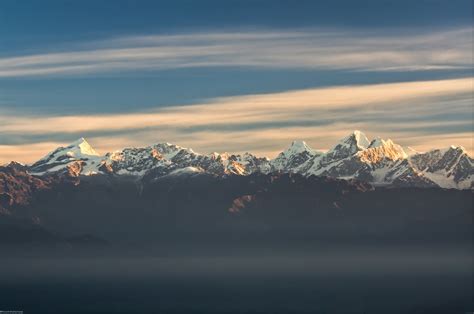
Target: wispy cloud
point(421, 114)
point(314, 49)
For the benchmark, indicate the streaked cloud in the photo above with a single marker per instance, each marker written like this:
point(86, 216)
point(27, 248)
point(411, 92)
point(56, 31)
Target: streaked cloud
point(421, 114)
point(307, 49)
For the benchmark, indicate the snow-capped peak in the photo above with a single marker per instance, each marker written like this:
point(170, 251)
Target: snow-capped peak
point(297, 147)
point(75, 150)
point(169, 150)
point(83, 147)
point(293, 157)
point(61, 158)
point(377, 142)
point(360, 139)
point(347, 146)
point(354, 141)
point(458, 148)
point(380, 149)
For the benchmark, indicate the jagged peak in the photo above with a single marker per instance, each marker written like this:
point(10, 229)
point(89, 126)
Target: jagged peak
point(442, 151)
point(77, 142)
point(299, 143)
point(361, 139)
point(378, 141)
point(78, 148)
point(355, 141)
point(380, 149)
point(14, 163)
point(388, 143)
point(84, 147)
point(358, 133)
point(458, 148)
point(297, 147)
point(167, 144)
point(174, 146)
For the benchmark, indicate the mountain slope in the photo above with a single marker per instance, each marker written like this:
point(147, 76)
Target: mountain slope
point(296, 155)
point(76, 158)
point(448, 168)
point(191, 207)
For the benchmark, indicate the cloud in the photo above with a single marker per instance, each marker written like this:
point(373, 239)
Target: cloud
point(25, 153)
point(307, 49)
point(422, 114)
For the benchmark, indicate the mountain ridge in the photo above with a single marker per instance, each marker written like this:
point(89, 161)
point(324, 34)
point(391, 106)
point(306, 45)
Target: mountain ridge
point(377, 161)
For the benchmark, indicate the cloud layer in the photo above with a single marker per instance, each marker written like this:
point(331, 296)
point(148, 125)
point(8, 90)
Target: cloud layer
point(421, 114)
point(308, 49)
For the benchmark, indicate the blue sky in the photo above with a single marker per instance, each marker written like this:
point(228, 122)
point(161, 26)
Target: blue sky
point(104, 59)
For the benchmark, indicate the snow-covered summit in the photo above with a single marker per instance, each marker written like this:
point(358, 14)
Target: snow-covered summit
point(297, 154)
point(378, 141)
point(168, 150)
point(347, 146)
point(360, 139)
point(380, 149)
point(77, 149)
point(82, 147)
point(356, 139)
point(79, 153)
point(297, 147)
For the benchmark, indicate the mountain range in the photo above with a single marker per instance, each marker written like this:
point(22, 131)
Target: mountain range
point(167, 197)
point(380, 162)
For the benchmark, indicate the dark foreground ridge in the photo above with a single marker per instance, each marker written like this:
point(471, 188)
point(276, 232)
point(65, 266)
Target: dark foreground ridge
point(192, 210)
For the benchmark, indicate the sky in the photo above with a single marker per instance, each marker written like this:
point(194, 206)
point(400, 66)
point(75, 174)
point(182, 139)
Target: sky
point(233, 76)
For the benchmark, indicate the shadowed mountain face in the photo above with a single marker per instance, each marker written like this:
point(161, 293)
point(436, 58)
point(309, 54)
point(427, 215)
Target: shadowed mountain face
point(198, 208)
